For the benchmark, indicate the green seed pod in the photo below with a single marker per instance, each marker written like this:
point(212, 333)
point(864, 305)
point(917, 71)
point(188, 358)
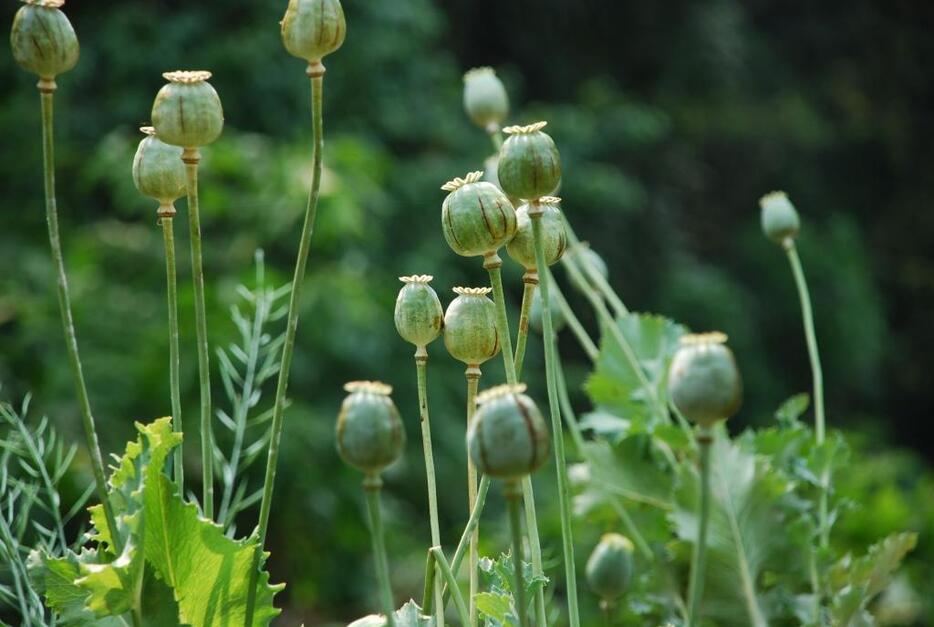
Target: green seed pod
point(43, 40)
point(535, 313)
point(585, 256)
point(470, 326)
point(187, 111)
point(485, 98)
point(158, 171)
point(508, 437)
point(703, 381)
point(476, 217)
point(419, 316)
point(312, 29)
point(780, 220)
point(554, 235)
point(609, 568)
point(370, 435)
point(529, 163)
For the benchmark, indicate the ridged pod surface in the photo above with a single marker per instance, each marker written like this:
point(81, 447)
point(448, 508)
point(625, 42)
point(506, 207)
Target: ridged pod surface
point(187, 111)
point(779, 217)
point(312, 29)
point(370, 434)
point(418, 315)
point(158, 170)
point(609, 568)
point(43, 40)
point(470, 326)
point(554, 235)
point(508, 438)
point(476, 216)
point(529, 163)
point(485, 99)
point(703, 381)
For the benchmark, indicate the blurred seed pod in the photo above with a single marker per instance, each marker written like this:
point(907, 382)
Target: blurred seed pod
point(780, 221)
point(584, 255)
point(43, 40)
point(187, 111)
point(370, 434)
point(529, 163)
point(419, 317)
point(554, 235)
point(609, 568)
point(158, 171)
point(535, 313)
point(508, 437)
point(485, 98)
point(470, 326)
point(704, 382)
point(312, 29)
point(476, 217)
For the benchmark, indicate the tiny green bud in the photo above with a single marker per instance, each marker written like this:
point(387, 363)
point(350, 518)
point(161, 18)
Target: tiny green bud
point(485, 98)
point(43, 40)
point(780, 220)
point(158, 171)
point(370, 435)
point(609, 569)
point(554, 235)
point(312, 29)
point(585, 257)
point(470, 326)
point(508, 438)
point(535, 313)
point(419, 316)
point(187, 111)
point(476, 217)
point(529, 163)
point(703, 381)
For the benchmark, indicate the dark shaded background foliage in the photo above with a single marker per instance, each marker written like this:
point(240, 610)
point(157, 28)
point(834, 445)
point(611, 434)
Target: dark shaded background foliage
point(672, 117)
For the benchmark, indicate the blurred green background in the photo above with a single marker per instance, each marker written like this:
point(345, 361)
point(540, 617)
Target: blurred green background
point(672, 119)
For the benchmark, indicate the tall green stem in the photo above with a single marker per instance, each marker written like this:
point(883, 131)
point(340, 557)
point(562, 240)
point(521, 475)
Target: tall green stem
point(593, 274)
point(564, 499)
point(472, 523)
point(696, 586)
point(515, 528)
point(316, 72)
point(444, 569)
point(166, 215)
point(191, 157)
point(421, 367)
point(473, 384)
point(573, 321)
point(64, 305)
point(529, 282)
point(535, 548)
point(371, 486)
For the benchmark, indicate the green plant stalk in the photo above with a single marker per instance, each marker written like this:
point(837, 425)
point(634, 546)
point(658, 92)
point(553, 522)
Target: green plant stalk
point(696, 585)
point(372, 485)
point(817, 375)
point(68, 324)
point(564, 500)
point(6, 534)
point(421, 367)
point(473, 384)
point(529, 281)
point(515, 528)
point(594, 275)
point(472, 523)
point(496, 136)
point(573, 321)
point(317, 87)
point(535, 548)
point(445, 569)
point(171, 281)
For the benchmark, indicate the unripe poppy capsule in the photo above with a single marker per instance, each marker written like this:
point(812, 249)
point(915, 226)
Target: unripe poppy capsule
point(609, 568)
point(419, 316)
point(485, 98)
point(158, 171)
point(529, 163)
point(43, 40)
point(476, 216)
point(703, 381)
point(312, 29)
point(780, 220)
point(370, 435)
point(508, 438)
point(187, 111)
point(585, 257)
point(470, 326)
point(535, 313)
point(554, 235)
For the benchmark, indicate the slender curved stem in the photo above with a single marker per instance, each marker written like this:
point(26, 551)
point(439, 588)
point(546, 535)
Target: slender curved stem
point(285, 366)
point(64, 305)
point(515, 528)
point(472, 523)
point(569, 416)
point(529, 281)
point(696, 586)
point(496, 136)
point(444, 569)
point(421, 367)
point(372, 489)
point(594, 275)
point(551, 358)
point(171, 282)
point(473, 383)
point(573, 321)
point(535, 549)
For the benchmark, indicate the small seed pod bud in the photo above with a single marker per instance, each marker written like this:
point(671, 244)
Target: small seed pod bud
point(585, 257)
point(554, 235)
point(419, 316)
point(609, 569)
point(485, 98)
point(703, 380)
point(312, 29)
point(43, 40)
point(370, 435)
point(187, 111)
point(158, 171)
point(535, 313)
point(529, 164)
point(508, 438)
point(470, 326)
point(780, 220)
point(476, 217)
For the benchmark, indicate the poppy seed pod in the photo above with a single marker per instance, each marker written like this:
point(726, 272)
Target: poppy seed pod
point(508, 438)
point(780, 220)
point(370, 435)
point(529, 163)
point(554, 235)
point(187, 111)
point(586, 256)
point(476, 217)
point(419, 316)
point(312, 29)
point(609, 568)
point(43, 40)
point(158, 171)
point(535, 313)
point(470, 326)
point(703, 380)
point(485, 98)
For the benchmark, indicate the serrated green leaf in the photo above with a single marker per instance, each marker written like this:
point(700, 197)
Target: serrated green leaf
point(496, 606)
point(629, 469)
point(792, 409)
point(57, 578)
point(409, 615)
